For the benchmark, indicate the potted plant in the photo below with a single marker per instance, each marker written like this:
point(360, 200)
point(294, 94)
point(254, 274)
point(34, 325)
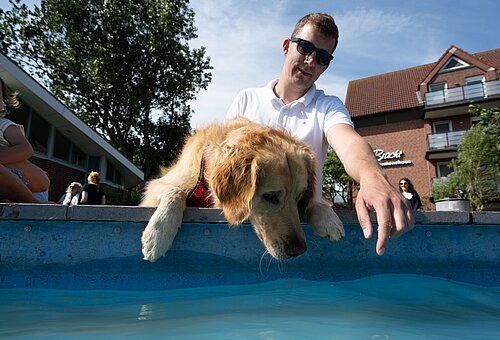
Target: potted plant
point(449, 195)
point(476, 174)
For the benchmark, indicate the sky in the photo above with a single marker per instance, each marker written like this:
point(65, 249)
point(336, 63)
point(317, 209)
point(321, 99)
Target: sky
point(243, 39)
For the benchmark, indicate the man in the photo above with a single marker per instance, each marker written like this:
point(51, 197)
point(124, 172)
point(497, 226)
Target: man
point(293, 102)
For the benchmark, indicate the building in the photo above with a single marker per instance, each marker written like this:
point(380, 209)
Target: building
point(415, 118)
point(65, 147)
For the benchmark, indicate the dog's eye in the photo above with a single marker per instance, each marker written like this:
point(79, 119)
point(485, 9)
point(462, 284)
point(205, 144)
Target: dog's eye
point(271, 197)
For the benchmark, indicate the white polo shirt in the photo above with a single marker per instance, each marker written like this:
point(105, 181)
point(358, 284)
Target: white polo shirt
point(307, 118)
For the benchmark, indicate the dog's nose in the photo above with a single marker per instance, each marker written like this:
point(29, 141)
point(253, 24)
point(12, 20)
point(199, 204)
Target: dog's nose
point(294, 248)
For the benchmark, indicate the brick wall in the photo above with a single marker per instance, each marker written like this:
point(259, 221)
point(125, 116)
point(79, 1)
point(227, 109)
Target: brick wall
point(410, 138)
point(457, 78)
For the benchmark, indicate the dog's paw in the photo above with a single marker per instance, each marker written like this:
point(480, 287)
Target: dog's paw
point(155, 242)
point(163, 225)
point(325, 222)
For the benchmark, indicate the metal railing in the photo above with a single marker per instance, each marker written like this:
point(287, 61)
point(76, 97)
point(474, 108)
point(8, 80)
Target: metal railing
point(468, 92)
point(445, 140)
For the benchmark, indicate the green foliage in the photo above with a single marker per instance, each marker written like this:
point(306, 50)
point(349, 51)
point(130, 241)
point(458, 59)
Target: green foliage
point(124, 66)
point(336, 181)
point(448, 187)
point(476, 174)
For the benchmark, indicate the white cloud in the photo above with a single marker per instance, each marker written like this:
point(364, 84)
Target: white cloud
point(244, 40)
point(333, 84)
point(387, 39)
point(244, 44)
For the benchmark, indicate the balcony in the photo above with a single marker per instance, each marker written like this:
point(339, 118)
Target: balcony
point(464, 93)
point(445, 140)
point(444, 145)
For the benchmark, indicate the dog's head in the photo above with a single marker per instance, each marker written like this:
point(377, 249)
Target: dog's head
point(268, 177)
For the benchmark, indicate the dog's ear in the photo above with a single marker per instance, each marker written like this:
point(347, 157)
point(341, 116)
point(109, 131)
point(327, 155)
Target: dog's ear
point(309, 195)
point(234, 181)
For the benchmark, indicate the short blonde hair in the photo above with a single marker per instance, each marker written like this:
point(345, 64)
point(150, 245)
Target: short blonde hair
point(322, 22)
point(94, 177)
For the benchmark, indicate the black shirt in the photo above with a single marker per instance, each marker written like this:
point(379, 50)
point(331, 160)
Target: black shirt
point(94, 194)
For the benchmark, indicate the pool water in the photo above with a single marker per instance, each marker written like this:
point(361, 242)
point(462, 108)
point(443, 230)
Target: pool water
point(377, 307)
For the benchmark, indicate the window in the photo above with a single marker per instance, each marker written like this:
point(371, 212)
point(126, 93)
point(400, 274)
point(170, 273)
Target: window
point(62, 147)
point(65, 150)
point(436, 94)
point(474, 87)
point(442, 126)
point(443, 170)
point(112, 175)
point(39, 133)
point(110, 171)
point(77, 156)
point(437, 87)
point(454, 64)
point(94, 163)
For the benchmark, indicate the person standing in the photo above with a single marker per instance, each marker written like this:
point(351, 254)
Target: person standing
point(409, 192)
point(293, 102)
point(93, 193)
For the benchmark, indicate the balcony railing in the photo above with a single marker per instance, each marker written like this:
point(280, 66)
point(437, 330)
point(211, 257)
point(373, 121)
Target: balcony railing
point(445, 140)
point(468, 92)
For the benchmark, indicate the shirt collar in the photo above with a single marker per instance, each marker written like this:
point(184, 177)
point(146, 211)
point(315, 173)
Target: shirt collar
point(304, 100)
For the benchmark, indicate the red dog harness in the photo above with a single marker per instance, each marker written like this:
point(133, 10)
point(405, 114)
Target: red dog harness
point(199, 197)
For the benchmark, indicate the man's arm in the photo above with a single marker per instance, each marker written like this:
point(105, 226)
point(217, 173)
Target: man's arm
point(394, 214)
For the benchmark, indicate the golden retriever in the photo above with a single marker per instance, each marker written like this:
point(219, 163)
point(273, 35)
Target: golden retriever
point(253, 172)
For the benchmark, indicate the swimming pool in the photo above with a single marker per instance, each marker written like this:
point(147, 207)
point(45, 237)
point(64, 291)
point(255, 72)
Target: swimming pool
point(75, 263)
point(414, 307)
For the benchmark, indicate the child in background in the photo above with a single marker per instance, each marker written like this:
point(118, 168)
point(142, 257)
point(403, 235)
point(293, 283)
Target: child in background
point(15, 150)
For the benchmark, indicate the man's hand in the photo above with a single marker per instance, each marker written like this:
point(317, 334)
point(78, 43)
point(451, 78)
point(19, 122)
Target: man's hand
point(394, 213)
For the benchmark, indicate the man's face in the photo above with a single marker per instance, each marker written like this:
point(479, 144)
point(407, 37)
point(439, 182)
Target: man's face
point(302, 70)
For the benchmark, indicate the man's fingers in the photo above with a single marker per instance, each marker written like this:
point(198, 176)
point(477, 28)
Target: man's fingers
point(404, 220)
point(364, 220)
point(384, 230)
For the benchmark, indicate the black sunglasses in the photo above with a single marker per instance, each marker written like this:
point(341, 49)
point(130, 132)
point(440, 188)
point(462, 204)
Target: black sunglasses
point(305, 47)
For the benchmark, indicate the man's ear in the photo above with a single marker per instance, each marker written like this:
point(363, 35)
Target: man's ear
point(286, 45)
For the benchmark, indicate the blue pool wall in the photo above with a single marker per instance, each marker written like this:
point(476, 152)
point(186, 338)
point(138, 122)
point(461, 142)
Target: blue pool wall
point(90, 247)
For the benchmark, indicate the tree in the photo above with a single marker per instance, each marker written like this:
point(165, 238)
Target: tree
point(476, 174)
point(336, 181)
point(123, 66)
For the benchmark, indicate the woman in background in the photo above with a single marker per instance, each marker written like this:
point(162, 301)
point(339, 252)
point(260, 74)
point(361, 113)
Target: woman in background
point(408, 191)
point(93, 193)
point(72, 196)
